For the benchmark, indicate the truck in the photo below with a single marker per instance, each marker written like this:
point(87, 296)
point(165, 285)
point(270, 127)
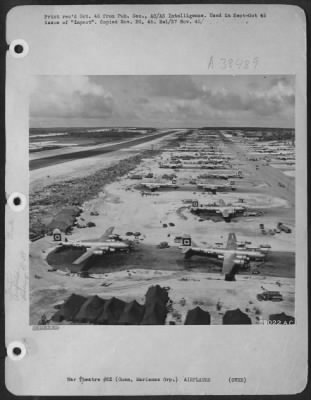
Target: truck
point(283, 227)
point(269, 295)
point(163, 245)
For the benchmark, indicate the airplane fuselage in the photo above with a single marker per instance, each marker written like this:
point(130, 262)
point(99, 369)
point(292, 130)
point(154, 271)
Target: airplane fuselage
point(219, 253)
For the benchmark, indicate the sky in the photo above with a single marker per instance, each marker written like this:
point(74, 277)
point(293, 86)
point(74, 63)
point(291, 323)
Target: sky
point(163, 101)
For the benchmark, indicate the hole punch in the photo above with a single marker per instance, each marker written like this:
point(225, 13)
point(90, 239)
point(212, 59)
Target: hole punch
point(19, 48)
point(16, 350)
point(17, 201)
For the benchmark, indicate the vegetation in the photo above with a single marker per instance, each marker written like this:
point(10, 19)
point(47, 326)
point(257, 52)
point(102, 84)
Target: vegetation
point(50, 200)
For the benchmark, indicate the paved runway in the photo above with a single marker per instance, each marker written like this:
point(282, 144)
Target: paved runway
point(60, 158)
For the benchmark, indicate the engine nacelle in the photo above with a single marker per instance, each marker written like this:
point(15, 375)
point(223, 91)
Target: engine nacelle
point(77, 244)
point(98, 252)
point(240, 261)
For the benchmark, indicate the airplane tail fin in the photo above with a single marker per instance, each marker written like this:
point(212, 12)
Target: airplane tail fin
point(225, 213)
point(228, 264)
point(232, 242)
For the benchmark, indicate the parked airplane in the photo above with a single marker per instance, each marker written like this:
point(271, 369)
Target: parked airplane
point(200, 162)
point(285, 158)
point(107, 243)
point(192, 166)
point(214, 188)
point(169, 165)
point(226, 176)
point(227, 212)
point(158, 185)
point(208, 165)
point(231, 255)
point(143, 193)
point(237, 174)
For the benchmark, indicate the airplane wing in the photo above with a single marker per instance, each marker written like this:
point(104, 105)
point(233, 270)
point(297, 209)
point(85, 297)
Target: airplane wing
point(228, 263)
point(106, 235)
point(85, 256)
point(152, 186)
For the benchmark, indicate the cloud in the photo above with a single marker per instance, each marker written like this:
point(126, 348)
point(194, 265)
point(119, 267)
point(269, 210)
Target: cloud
point(142, 100)
point(284, 80)
point(182, 87)
point(277, 98)
point(263, 96)
point(69, 97)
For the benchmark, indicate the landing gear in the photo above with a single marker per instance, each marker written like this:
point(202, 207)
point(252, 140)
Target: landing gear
point(230, 277)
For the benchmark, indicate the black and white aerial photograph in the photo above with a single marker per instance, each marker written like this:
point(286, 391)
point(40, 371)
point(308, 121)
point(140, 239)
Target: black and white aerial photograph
point(162, 200)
